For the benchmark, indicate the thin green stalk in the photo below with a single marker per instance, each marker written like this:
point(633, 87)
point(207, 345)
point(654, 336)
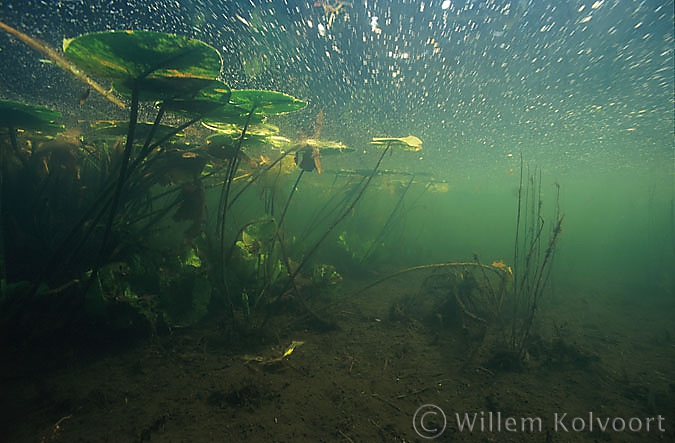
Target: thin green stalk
point(383, 231)
point(290, 196)
point(311, 252)
point(133, 118)
point(225, 192)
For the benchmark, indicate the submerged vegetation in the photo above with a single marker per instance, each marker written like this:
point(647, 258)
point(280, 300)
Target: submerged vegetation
point(166, 224)
point(300, 221)
point(496, 304)
point(110, 214)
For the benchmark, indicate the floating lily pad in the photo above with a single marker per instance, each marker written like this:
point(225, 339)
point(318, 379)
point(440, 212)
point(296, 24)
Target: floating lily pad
point(220, 140)
point(224, 119)
point(17, 115)
point(279, 141)
point(409, 143)
point(265, 102)
point(113, 128)
point(209, 100)
point(260, 130)
point(328, 147)
point(161, 65)
point(228, 137)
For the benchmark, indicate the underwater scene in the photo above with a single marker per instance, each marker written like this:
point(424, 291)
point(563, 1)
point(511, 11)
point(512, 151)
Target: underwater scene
point(333, 221)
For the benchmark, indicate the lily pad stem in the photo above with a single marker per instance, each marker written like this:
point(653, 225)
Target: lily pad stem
point(288, 202)
point(227, 184)
point(383, 232)
point(262, 172)
point(222, 213)
point(133, 118)
point(339, 219)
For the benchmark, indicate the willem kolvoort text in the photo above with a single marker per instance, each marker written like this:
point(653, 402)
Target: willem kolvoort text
point(561, 422)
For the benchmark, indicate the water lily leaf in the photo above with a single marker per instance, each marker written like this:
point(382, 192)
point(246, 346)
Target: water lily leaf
point(206, 101)
point(162, 65)
point(113, 128)
point(228, 137)
point(409, 143)
point(223, 119)
point(265, 102)
point(328, 147)
point(21, 116)
point(260, 130)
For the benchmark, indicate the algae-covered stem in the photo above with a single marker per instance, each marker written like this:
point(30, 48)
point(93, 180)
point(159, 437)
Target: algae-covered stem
point(516, 256)
point(15, 144)
point(61, 62)
point(319, 214)
point(542, 276)
point(227, 185)
point(532, 264)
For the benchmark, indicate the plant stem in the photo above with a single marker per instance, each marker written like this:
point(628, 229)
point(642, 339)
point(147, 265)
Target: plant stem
point(311, 252)
point(288, 202)
point(383, 231)
point(131, 133)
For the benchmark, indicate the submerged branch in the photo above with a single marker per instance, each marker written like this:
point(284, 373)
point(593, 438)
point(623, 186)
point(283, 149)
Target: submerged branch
point(61, 62)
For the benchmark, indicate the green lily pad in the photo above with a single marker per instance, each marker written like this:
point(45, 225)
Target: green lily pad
point(228, 137)
point(221, 140)
point(409, 143)
point(258, 129)
point(230, 116)
point(162, 65)
point(21, 116)
point(207, 101)
point(327, 146)
point(113, 128)
point(265, 102)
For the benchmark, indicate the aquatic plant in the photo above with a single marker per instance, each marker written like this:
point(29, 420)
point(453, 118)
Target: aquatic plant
point(15, 116)
point(503, 299)
point(256, 263)
point(387, 224)
point(407, 143)
point(146, 66)
point(250, 103)
point(533, 253)
point(249, 106)
point(308, 154)
point(121, 208)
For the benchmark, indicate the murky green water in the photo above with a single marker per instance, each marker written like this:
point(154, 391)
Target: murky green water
point(582, 91)
point(529, 112)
